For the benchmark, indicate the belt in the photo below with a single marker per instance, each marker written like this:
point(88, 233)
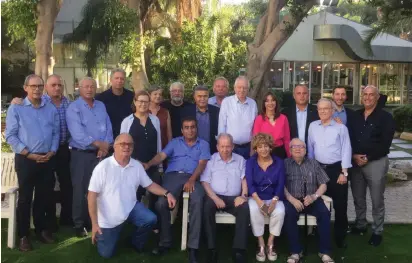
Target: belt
point(325, 166)
point(242, 145)
point(85, 151)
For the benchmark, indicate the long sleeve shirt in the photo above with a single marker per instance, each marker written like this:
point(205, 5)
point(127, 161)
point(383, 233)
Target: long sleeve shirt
point(372, 136)
point(34, 129)
point(64, 131)
point(279, 131)
point(88, 124)
point(266, 184)
point(329, 144)
point(237, 118)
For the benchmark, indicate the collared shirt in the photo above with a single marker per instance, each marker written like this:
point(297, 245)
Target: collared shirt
point(372, 136)
point(36, 129)
point(213, 101)
point(116, 187)
point(266, 184)
point(296, 174)
point(225, 178)
point(329, 144)
point(88, 124)
point(301, 118)
point(237, 118)
point(64, 131)
point(341, 115)
point(118, 107)
point(185, 158)
point(203, 124)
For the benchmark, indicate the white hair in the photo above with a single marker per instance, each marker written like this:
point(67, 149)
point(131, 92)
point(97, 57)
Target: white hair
point(87, 78)
point(297, 140)
point(225, 135)
point(325, 100)
point(179, 84)
point(121, 135)
point(241, 78)
point(371, 87)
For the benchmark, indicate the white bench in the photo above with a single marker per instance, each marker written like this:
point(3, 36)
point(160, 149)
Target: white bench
point(9, 187)
point(226, 218)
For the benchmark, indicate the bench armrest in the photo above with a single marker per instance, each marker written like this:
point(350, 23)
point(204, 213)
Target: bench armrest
point(186, 195)
point(326, 198)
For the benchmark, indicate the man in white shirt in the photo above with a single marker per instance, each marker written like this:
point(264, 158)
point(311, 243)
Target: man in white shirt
point(237, 115)
point(112, 198)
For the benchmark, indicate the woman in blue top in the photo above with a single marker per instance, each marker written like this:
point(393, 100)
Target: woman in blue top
point(265, 176)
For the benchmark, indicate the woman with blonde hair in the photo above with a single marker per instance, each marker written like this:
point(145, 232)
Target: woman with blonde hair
point(265, 177)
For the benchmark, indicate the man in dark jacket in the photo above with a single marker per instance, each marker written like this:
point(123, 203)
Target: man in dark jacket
point(207, 116)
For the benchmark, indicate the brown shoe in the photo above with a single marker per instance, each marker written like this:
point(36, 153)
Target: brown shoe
point(45, 237)
point(25, 244)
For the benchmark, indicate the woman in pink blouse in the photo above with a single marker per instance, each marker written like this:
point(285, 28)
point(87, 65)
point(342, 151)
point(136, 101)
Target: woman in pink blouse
point(271, 121)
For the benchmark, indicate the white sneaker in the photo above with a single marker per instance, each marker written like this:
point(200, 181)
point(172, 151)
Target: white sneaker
point(272, 256)
point(261, 256)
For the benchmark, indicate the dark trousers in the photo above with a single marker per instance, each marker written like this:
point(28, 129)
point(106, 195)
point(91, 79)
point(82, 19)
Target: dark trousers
point(174, 182)
point(339, 195)
point(62, 169)
point(242, 221)
point(319, 210)
point(37, 177)
point(243, 150)
point(81, 169)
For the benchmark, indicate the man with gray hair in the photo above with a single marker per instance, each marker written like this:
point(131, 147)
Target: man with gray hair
point(117, 99)
point(220, 89)
point(225, 185)
point(371, 133)
point(91, 136)
point(329, 144)
point(32, 130)
point(176, 106)
point(207, 116)
point(237, 115)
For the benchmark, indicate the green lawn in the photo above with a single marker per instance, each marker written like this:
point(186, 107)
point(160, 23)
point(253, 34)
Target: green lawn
point(396, 247)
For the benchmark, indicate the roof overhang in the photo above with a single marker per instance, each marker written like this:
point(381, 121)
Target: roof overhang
point(353, 45)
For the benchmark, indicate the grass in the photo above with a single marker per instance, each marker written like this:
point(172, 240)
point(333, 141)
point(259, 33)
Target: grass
point(396, 247)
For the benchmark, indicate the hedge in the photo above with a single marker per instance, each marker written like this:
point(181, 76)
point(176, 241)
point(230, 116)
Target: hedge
point(403, 118)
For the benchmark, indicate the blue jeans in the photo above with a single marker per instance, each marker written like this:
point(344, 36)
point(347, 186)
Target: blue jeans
point(319, 210)
point(141, 217)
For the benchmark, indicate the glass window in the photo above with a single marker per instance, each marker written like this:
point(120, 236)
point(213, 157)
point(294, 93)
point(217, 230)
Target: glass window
point(407, 89)
point(330, 78)
point(276, 75)
point(302, 73)
point(316, 82)
point(389, 82)
point(369, 74)
point(346, 78)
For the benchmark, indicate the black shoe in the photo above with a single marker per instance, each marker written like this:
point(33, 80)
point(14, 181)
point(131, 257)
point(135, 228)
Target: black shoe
point(341, 244)
point(375, 240)
point(239, 256)
point(358, 231)
point(192, 255)
point(160, 251)
point(212, 256)
point(81, 232)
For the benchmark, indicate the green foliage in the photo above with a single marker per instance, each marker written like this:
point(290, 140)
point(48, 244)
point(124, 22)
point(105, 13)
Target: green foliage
point(21, 17)
point(403, 118)
point(206, 48)
point(105, 23)
point(360, 11)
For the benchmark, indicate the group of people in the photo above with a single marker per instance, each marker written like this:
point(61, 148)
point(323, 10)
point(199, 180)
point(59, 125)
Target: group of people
point(226, 153)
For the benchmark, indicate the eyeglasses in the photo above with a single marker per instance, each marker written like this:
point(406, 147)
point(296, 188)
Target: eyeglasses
point(124, 144)
point(298, 147)
point(142, 101)
point(33, 87)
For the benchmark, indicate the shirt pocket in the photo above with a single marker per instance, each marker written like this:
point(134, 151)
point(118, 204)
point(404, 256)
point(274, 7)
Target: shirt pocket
point(219, 181)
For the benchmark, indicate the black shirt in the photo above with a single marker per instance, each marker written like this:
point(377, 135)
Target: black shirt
point(372, 136)
point(145, 140)
point(176, 113)
point(117, 107)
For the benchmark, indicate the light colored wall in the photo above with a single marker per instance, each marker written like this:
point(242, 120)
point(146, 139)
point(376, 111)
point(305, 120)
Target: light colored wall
point(68, 77)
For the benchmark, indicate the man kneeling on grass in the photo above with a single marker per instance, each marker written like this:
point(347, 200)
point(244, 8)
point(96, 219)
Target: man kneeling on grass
point(112, 199)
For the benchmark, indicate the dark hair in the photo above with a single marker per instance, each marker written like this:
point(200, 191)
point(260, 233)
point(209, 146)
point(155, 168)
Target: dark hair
point(187, 119)
point(277, 107)
point(339, 87)
point(138, 94)
point(200, 88)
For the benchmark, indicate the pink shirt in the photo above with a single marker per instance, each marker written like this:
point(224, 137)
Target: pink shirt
point(279, 131)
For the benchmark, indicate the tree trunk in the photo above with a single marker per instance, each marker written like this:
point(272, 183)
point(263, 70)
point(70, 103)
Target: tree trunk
point(270, 36)
point(188, 9)
point(47, 13)
point(139, 76)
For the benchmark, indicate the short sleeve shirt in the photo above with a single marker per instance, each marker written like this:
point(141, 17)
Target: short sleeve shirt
point(116, 187)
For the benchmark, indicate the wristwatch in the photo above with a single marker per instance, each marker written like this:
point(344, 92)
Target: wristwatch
point(344, 173)
point(165, 195)
point(275, 198)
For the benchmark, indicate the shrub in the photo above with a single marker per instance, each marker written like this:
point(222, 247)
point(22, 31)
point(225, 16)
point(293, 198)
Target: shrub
point(403, 118)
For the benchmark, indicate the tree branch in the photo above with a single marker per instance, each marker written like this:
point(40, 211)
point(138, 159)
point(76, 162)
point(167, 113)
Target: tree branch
point(259, 35)
point(273, 15)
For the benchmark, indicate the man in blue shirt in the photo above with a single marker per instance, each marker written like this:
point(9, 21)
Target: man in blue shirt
point(187, 158)
point(32, 130)
point(91, 136)
point(341, 114)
